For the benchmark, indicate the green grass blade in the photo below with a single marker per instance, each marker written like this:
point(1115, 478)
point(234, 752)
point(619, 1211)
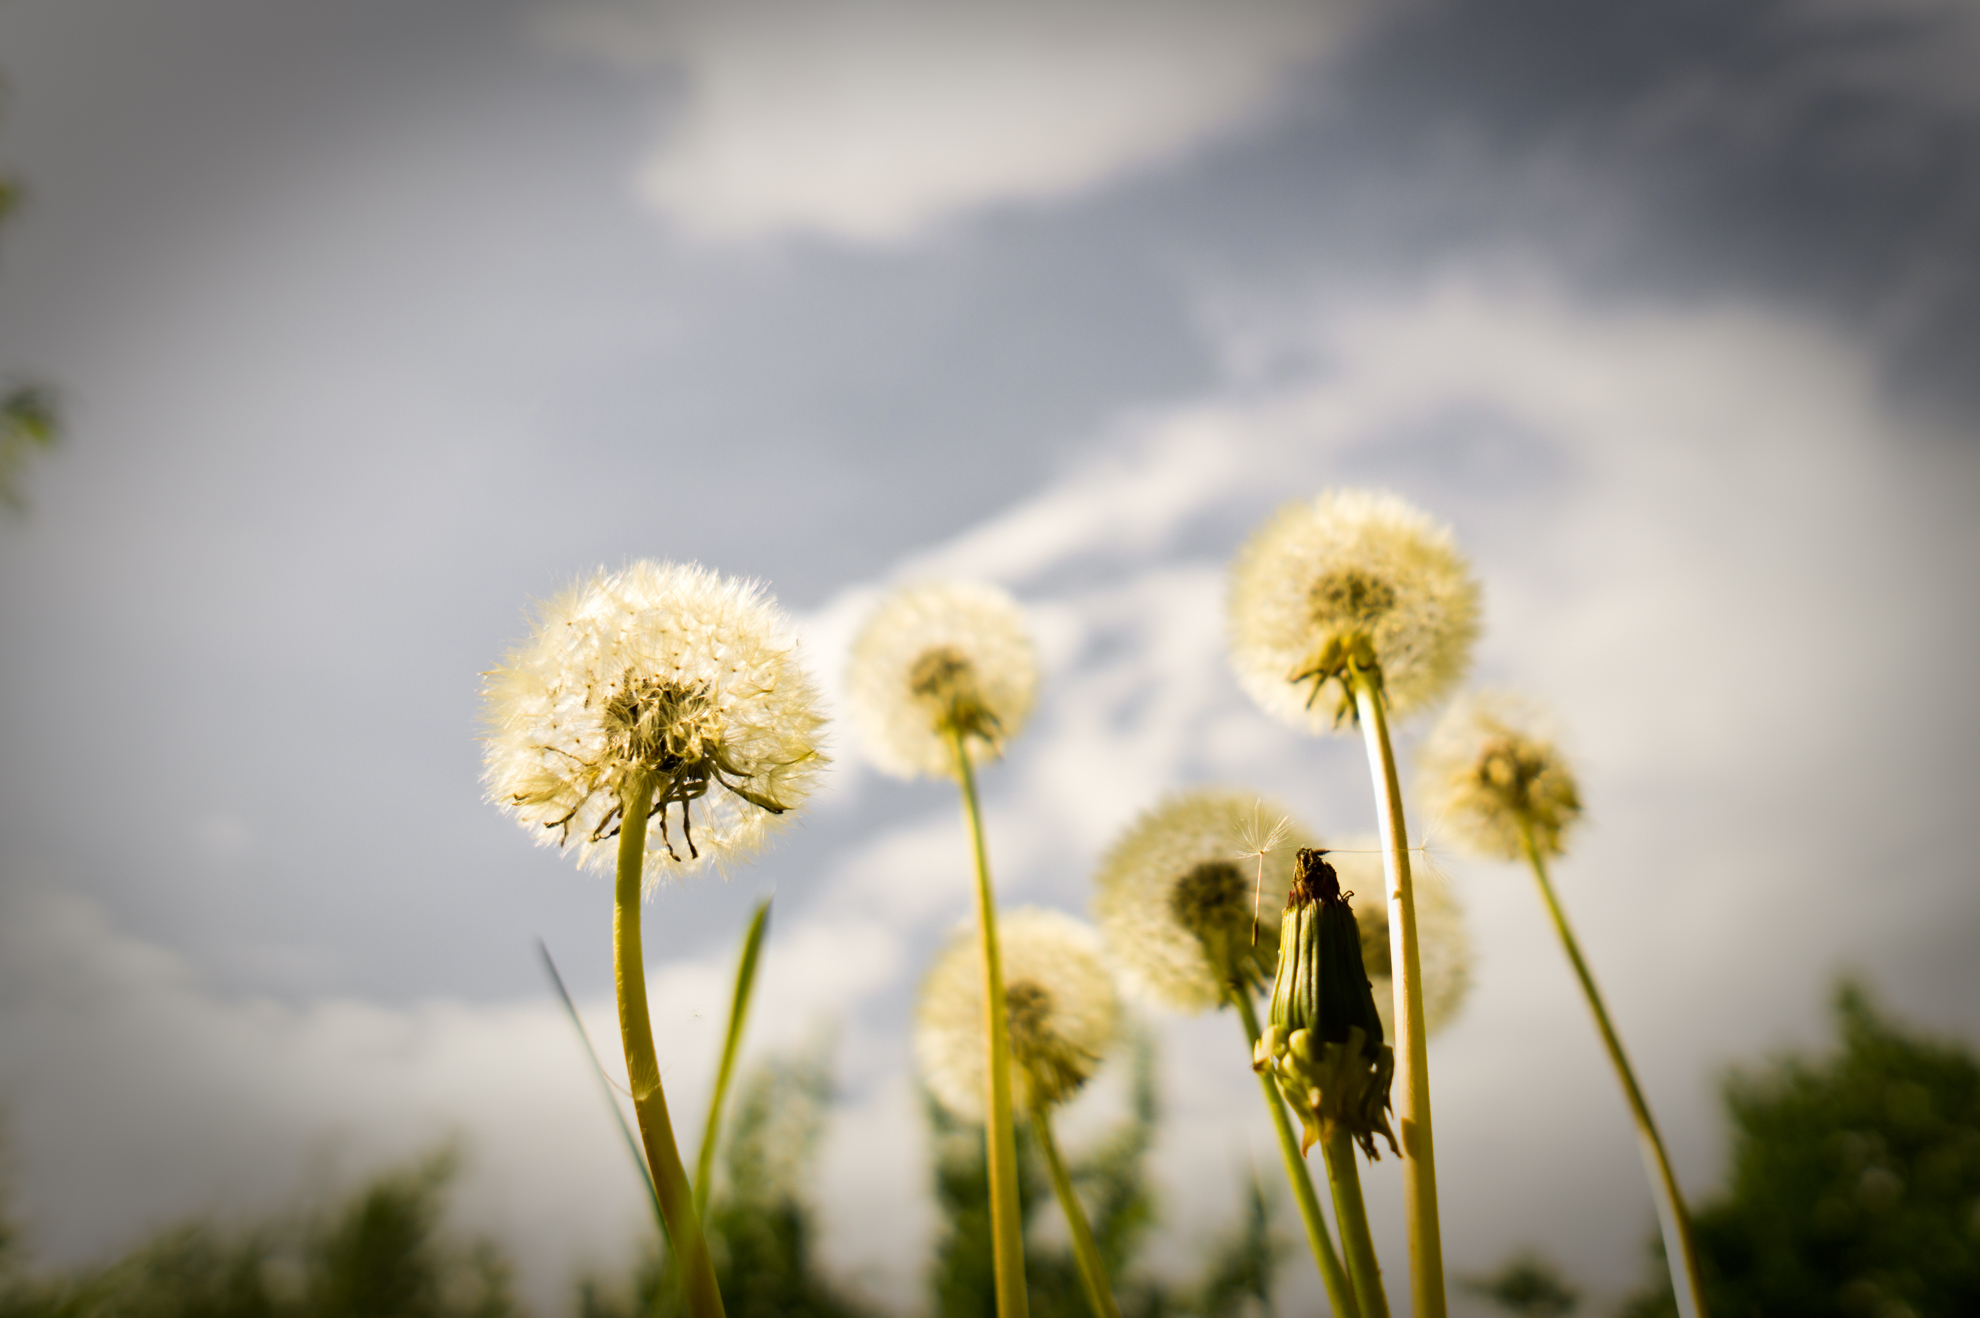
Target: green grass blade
point(752, 946)
point(611, 1099)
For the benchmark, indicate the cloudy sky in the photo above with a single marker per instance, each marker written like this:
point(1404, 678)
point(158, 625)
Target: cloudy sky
point(376, 322)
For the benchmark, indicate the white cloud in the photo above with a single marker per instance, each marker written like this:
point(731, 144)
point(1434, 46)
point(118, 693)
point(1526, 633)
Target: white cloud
point(1704, 539)
point(869, 120)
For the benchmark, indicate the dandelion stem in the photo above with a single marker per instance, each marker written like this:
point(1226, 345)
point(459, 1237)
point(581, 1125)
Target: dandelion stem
point(1352, 1215)
point(663, 1157)
point(704, 1172)
point(1006, 1222)
point(1092, 1273)
point(1672, 1219)
point(1339, 1293)
point(1426, 1248)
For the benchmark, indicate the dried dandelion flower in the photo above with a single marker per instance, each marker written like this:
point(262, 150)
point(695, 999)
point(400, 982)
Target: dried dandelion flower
point(1174, 896)
point(1490, 772)
point(1442, 939)
point(940, 657)
point(1063, 1011)
point(1350, 579)
point(662, 669)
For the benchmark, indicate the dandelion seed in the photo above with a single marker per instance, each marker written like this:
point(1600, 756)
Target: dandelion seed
point(936, 657)
point(1491, 770)
point(1060, 1000)
point(1169, 896)
point(664, 669)
point(1349, 578)
point(1260, 842)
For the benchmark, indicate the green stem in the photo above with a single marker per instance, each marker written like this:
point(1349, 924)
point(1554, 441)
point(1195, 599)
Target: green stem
point(704, 1172)
point(1092, 1273)
point(1412, 1088)
point(1352, 1215)
point(1675, 1223)
point(1339, 1292)
point(663, 1157)
point(1006, 1221)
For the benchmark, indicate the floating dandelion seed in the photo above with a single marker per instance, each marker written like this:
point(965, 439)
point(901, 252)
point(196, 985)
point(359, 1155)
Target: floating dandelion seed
point(1491, 770)
point(1349, 578)
point(1064, 1013)
point(1442, 938)
point(939, 656)
point(664, 669)
point(1171, 895)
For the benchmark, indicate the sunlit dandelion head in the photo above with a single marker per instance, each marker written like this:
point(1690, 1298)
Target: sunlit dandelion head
point(1491, 771)
point(667, 672)
point(1349, 577)
point(1443, 942)
point(1064, 1013)
point(940, 657)
point(1174, 895)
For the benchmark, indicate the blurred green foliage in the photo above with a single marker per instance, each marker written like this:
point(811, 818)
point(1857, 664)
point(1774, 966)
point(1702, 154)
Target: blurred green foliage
point(29, 418)
point(1529, 1285)
point(1855, 1183)
point(382, 1254)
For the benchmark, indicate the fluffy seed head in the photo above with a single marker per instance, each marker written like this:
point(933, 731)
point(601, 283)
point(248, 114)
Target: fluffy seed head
point(1442, 941)
point(936, 656)
point(664, 669)
point(1064, 1013)
point(1174, 895)
point(1350, 575)
point(1490, 770)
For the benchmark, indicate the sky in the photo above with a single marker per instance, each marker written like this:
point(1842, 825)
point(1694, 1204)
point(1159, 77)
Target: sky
point(376, 322)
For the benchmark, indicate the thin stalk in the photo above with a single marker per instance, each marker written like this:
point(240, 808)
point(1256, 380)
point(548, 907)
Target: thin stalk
point(604, 1082)
point(1092, 1273)
point(1000, 1138)
point(1412, 1088)
point(1352, 1215)
point(704, 1172)
point(656, 1128)
point(1339, 1293)
point(1675, 1223)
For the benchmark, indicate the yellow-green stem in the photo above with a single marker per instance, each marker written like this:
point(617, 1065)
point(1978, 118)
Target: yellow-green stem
point(1672, 1218)
point(1412, 1087)
point(656, 1129)
point(1364, 1270)
point(1006, 1222)
point(704, 1171)
point(1092, 1273)
point(1339, 1292)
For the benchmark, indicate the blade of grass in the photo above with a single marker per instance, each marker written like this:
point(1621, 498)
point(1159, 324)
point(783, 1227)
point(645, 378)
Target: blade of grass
point(604, 1080)
point(704, 1172)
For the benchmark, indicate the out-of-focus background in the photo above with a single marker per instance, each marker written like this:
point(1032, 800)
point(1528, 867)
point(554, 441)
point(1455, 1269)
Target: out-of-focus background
point(373, 322)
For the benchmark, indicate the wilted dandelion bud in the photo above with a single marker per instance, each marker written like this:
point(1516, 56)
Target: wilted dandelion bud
point(1176, 893)
point(1442, 940)
point(1491, 772)
point(941, 658)
point(1350, 580)
point(1324, 1043)
point(669, 672)
point(1062, 1009)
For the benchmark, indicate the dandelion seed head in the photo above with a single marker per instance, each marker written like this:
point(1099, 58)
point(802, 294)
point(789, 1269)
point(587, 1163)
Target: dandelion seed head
point(1063, 1011)
point(1349, 573)
point(663, 669)
point(1173, 896)
point(1443, 942)
point(1491, 767)
point(938, 655)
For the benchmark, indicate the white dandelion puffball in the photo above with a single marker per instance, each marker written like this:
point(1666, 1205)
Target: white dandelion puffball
point(1350, 571)
point(1491, 770)
point(665, 669)
point(1443, 943)
point(1174, 895)
point(938, 656)
point(1064, 1013)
